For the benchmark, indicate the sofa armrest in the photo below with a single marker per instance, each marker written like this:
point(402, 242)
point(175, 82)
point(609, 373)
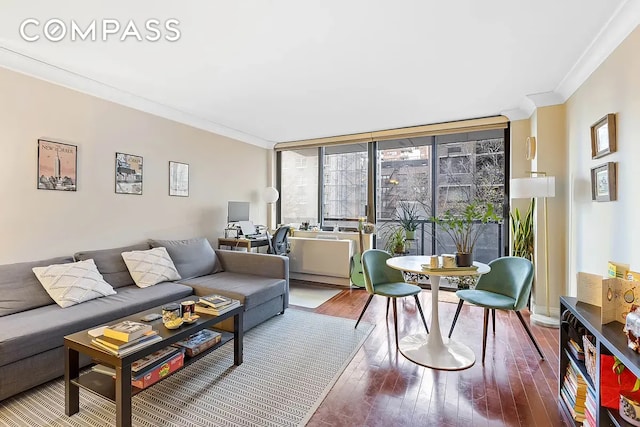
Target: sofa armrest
point(258, 264)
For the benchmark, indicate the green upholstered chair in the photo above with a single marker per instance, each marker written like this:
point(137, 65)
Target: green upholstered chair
point(380, 279)
point(505, 287)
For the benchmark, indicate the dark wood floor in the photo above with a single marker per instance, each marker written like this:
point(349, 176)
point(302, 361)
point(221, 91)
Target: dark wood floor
point(382, 388)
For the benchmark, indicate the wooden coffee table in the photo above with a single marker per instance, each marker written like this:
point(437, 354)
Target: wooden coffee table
point(120, 391)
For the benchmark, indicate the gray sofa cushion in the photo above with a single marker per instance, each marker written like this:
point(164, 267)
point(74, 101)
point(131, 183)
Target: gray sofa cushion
point(249, 289)
point(110, 263)
point(192, 257)
point(41, 329)
point(20, 290)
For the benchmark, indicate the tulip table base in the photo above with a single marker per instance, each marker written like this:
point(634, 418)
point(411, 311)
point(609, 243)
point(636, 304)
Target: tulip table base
point(441, 353)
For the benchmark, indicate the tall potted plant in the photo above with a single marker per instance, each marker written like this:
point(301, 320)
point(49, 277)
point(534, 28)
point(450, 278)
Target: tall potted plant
point(522, 232)
point(409, 218)
point(464, 228)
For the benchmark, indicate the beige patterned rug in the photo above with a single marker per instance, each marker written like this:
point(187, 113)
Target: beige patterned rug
point(290, 364)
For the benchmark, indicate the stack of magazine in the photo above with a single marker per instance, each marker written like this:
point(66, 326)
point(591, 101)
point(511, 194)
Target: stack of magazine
point(125, 338)
point(216, 304)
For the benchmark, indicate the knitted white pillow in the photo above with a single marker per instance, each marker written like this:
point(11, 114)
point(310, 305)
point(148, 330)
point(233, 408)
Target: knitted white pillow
point(73, 283)
point(148, 268)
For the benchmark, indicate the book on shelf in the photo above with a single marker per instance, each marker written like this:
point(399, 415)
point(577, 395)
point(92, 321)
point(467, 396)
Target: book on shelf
point(576, 350)
point(103, 369)
point(202, 308)
point(128, 350)
point(152, 359)
point(127, 330)
point(137, 375)
point(216, 301)
point(160, 371)
point(200, 341)
point(121, 345)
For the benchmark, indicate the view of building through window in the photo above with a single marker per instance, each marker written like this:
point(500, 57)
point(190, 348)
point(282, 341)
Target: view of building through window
point(433, 174)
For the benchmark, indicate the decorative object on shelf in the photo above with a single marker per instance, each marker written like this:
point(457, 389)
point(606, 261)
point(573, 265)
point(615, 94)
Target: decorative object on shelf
point(544, 186)
point(178, 179)
point(589, 288)
point(408, 215)
point(603, 136)
point(128, 174)
point(604, 187)
point(530, 147)
point(57, 166)
point(464, 228)
point(629, 409)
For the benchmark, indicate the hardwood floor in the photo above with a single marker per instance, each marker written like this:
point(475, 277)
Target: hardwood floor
point(382, 388)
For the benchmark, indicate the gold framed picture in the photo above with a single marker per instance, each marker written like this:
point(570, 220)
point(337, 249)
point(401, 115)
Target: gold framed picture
point(603, 183)
point(603, 136)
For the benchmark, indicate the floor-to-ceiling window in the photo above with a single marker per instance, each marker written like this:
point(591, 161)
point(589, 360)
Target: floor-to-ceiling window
point(329, 186)
point(299, 186)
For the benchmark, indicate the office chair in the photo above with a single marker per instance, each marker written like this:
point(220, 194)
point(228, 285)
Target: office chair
point(278, 244)
point(505, 287)
point(380, 279)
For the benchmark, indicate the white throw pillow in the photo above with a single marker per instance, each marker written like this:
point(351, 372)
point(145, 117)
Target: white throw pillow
point(73, 283)
point(151, 267)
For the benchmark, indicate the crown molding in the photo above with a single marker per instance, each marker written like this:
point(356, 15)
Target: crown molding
point(25, 64)
point(624, 20)
point(544, 99)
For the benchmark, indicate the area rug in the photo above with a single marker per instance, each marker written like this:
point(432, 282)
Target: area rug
point(310, 296)
point(290, 364)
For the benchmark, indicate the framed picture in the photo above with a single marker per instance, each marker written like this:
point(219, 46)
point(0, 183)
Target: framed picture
point(128, 174)
point(603, 182)
point(178, 179)
point(603, 136)
point(57, 166)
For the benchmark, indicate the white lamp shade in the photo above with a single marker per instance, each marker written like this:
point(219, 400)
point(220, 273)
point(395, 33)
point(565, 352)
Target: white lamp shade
point(270, 195)
point(539, 186)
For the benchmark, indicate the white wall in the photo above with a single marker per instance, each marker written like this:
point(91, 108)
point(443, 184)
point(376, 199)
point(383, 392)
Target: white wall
point(38, 223)
point(604, 231)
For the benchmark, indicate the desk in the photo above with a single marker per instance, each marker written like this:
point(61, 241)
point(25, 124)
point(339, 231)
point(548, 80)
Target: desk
point(242, 243)
point(432, 350)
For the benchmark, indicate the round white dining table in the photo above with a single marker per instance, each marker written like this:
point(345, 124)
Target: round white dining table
point(432, 350)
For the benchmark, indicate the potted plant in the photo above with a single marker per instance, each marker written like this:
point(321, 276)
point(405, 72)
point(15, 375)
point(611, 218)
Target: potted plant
point(522, 232)
point(396, 242)
point(465, 227)
point(409, 218)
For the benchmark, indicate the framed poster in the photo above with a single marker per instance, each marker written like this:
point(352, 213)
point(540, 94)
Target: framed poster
point(603, 182)
point(178, 179)
point(128, 174)
point(57, 166)
point(603, 136)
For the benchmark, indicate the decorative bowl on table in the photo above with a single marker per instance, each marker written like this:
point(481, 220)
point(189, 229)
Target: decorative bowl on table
point(174, 323)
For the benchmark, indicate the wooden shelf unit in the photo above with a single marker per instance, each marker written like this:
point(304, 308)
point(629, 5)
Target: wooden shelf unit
point(610, 339)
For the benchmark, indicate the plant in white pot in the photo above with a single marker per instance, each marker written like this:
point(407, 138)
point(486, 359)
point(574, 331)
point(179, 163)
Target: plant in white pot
point(465, 227)
point(408, 215)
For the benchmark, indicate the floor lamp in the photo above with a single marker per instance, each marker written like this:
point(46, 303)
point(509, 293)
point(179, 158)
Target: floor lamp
point(539, 185)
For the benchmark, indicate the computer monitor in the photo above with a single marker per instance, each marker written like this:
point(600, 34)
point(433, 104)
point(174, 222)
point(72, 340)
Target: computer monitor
point(238, 211)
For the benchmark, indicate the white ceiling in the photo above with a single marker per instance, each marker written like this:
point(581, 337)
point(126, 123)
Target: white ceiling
point(269, 71)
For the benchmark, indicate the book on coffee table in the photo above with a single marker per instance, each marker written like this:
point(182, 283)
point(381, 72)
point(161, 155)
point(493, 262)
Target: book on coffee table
point(127, 330)
point(216, 301)
point(203, 308)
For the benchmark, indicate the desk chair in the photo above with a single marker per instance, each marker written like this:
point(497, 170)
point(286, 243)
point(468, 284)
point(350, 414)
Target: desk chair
point(279, 244)
point(505, 287)
point(380, 279)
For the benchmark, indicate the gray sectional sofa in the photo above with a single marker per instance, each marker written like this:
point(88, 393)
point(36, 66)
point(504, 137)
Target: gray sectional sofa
point(32, 325)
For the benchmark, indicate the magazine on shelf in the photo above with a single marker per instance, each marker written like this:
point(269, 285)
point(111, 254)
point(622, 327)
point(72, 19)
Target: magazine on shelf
point(127, 330)
point(202, 308)
point(216, 301)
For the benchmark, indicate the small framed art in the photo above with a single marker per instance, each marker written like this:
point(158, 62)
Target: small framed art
point(57, 166)
point(603, 136)
point(604, 186)
point(128, 174)
point(178, 179)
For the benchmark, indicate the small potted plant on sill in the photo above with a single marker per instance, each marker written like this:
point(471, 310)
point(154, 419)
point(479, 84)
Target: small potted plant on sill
point(465, 228)
point(408, 216)
point(396, 242)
